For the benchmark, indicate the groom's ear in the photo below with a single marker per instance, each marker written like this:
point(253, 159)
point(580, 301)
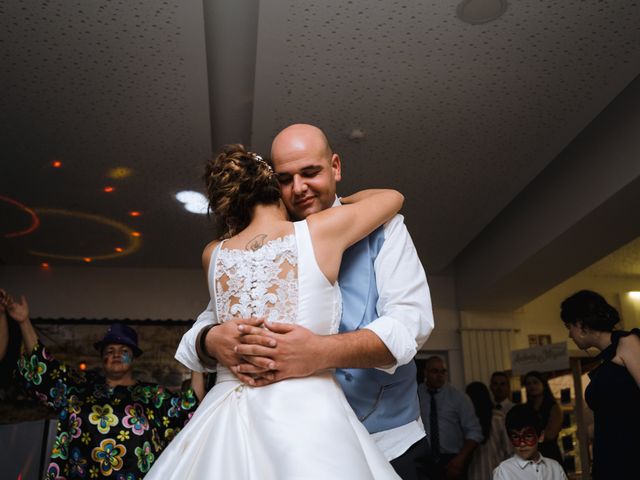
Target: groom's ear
point(336, 166)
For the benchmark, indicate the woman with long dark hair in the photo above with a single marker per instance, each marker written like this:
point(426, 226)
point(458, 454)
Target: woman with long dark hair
point(496, 446)
point(614, 391)
point(541, 399)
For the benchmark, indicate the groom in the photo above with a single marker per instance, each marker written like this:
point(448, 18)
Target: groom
point(386, 315)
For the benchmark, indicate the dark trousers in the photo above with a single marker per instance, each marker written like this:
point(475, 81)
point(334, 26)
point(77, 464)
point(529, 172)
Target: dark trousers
point(412, 464)
point(436, 468)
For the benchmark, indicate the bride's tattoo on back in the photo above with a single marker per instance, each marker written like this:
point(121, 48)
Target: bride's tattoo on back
point(256, 242)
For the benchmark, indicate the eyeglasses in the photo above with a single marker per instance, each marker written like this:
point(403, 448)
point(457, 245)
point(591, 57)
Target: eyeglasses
point(527, 437)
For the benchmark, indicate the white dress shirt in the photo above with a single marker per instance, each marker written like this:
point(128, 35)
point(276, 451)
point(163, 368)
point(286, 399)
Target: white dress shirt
point(404, 324)
point(516, 468)
point(457, 419)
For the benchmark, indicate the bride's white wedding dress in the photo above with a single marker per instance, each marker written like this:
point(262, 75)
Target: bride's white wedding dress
point(301, 428)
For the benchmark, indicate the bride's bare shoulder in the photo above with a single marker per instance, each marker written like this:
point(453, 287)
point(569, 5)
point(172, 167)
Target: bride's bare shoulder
point(206, 253)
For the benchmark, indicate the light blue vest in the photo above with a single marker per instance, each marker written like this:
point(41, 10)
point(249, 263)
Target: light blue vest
point(380, 400)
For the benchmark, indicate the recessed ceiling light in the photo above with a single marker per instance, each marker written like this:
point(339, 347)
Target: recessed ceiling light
point(194, 202)
point(477, 12)
point(108, 189)
point(118, 173)
point(56, 164)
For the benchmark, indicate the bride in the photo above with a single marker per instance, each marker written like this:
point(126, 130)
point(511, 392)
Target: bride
point(282, 271)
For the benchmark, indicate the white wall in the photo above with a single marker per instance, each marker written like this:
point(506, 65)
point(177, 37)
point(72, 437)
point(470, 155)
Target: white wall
point(446, 335)
point(115, 293)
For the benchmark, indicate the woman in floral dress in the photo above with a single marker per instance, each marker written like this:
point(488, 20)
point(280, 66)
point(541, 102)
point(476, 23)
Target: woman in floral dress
point(109, 426)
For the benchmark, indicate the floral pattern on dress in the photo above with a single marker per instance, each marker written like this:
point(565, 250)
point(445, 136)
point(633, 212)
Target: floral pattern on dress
point(97, 423)
point(74, 404)
point(75, 426)
point(61, 446)
point(77, 464)
point(145, 457)
point(126, 476)
point(58, 394)
point(32, 370)
point(134, 419)
point(53, 472)
point(109, 456)
point(103, 418)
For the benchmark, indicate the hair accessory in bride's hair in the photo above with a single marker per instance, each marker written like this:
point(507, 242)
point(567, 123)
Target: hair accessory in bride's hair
point(261, 160)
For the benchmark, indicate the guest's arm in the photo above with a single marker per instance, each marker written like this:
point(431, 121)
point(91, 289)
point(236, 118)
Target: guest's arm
point(554, 425)
point(629, 352)
point(19, 311)
point(456, 467)
point(197, 384)
point(472, 432)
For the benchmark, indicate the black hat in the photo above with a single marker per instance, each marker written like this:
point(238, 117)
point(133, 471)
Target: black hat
point(120, 334)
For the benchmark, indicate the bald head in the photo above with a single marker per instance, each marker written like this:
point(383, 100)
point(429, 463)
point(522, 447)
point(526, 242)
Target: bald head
point(306, 168)
point(300, 137)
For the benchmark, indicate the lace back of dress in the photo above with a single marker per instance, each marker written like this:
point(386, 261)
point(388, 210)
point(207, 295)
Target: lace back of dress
point(258, 283)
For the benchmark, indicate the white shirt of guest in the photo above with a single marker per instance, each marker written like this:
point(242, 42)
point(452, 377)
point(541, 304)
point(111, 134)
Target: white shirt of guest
point(516, 468)
point(457, 419)
point(405, 321)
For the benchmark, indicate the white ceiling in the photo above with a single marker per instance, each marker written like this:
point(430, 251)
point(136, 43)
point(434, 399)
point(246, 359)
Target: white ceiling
point(460, 117)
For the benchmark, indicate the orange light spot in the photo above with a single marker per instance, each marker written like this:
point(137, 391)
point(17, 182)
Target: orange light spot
point(56, 164)
point(119, 249)
point(82, 366)
point(135, 234)
point(134, 213)
point(88, 260)
point(44, 265)
point(108, 189)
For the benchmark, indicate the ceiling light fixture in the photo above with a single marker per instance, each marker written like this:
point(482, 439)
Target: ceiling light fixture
point(357, 134)
point(193, 202)
point(119, 173)
point(56, 164)
point(108, 189)
point(477, 12)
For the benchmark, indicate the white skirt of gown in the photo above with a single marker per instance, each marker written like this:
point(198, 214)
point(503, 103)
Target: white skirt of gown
point(300, 428)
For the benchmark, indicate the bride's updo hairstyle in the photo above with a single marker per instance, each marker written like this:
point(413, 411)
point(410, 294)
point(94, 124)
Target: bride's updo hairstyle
point(236, 182)
point(591, 309)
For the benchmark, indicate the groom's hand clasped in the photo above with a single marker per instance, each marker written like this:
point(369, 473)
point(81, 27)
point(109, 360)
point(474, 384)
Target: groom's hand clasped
point(277, 351)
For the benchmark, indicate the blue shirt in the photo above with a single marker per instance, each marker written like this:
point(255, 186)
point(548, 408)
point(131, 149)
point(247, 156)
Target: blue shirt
point(457, 419)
